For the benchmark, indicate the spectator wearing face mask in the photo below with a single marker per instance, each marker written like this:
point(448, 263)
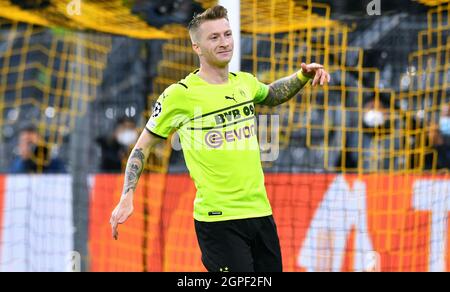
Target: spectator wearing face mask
point(34, 156)
point(374, 117)
point(439, 139)
point(115, 147)
point(362, 150)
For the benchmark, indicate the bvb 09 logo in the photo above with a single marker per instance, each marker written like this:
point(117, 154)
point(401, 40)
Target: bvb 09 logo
point(214, 139)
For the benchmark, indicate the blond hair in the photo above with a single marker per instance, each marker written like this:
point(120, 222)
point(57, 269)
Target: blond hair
point(213, 13)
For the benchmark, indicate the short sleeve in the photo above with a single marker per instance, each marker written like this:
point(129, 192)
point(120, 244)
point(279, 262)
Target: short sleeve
point(259, 89)
point(168, 113)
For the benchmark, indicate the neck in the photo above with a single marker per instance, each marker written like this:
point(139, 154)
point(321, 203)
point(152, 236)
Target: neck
point(213, 74)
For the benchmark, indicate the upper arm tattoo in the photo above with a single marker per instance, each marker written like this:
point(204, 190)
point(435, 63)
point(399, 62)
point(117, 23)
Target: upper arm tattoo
point(135, 166)
point(283, 89)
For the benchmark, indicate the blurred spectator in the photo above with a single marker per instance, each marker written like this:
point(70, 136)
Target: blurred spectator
point(33, 155)
point(439, 139)
point(161, 12)
point(367, 150)
point(115, 147)
point(31, 4)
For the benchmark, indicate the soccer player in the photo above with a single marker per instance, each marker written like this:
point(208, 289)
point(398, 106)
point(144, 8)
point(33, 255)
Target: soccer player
point(213, 111)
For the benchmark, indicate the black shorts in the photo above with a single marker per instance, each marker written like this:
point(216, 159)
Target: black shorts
point(244, 245)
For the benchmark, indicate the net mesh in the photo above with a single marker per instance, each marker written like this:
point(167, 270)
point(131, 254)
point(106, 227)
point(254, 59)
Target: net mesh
point(346, 197)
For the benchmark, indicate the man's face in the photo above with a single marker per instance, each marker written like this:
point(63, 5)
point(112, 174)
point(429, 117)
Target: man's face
point(126, 126)
point(126, 134)
point(26, 141)
point(446, 110)
point(214, 43)
point(375, 114)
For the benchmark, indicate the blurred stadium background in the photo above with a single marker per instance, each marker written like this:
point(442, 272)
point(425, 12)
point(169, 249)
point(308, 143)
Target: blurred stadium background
point(347, 195)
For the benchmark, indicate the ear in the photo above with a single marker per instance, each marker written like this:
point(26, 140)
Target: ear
point(197, 49)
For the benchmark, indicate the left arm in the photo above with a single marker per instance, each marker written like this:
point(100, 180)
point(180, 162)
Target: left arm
point(285, 88)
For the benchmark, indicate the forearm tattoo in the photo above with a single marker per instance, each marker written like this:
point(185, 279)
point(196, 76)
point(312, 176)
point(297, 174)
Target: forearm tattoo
point(283, 90)
point(135, 166)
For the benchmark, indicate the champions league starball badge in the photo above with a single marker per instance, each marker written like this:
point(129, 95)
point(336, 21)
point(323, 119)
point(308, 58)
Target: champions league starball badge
point(157, 110)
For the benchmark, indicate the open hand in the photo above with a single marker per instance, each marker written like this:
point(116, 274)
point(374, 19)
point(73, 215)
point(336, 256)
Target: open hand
point(120, 214)
point(317, 72)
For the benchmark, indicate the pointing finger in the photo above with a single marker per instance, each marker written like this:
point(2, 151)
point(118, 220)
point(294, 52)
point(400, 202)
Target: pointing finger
point(115, 233)
point(323, 78)
point(316, 77)
point(113, 222)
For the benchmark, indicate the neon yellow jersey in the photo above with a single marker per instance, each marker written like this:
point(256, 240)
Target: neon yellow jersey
point(216, 126)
